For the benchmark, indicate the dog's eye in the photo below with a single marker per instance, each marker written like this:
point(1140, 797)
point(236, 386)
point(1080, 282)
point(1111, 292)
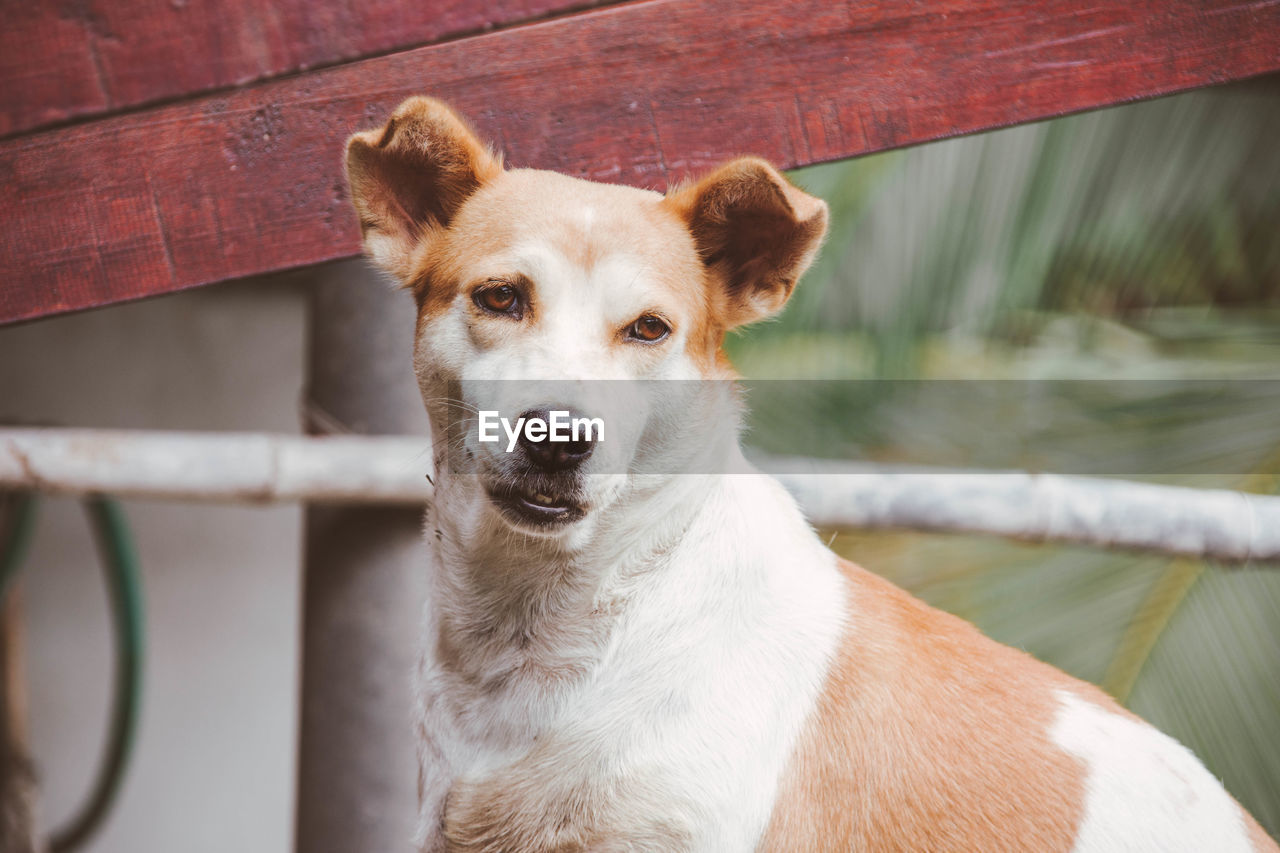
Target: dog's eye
point(649, 329)
point(502, 299)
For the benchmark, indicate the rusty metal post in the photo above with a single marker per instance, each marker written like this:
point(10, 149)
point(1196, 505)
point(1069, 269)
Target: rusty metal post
point(362, 583)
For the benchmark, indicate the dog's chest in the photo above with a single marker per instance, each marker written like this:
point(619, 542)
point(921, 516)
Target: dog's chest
point(643, 745)
point(670, 716)
point(502, 697)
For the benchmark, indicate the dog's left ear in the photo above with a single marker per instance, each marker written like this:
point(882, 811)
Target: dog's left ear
point(409, 178)
point(756, 233)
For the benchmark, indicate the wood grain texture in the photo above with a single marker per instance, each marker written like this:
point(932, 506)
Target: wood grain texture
point(250, 182)
point(74, 58)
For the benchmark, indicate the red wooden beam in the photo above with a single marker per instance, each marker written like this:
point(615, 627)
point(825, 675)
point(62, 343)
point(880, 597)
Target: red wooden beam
point(65, 60)
point(251, 182)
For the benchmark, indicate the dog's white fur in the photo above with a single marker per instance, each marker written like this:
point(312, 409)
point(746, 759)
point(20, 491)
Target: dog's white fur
point(650, 676)
point(1135, 769)
point(664, 603)
point(657, 692)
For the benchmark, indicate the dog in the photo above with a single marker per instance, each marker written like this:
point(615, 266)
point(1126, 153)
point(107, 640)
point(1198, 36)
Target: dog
point(635, 642)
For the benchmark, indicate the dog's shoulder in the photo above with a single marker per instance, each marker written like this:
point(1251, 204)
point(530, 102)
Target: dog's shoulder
point(931, 733)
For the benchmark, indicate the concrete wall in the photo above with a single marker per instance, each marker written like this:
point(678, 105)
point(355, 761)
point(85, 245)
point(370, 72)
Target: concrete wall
point(215, 761)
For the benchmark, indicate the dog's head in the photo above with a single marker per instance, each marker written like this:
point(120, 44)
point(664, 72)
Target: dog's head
point(535, 289)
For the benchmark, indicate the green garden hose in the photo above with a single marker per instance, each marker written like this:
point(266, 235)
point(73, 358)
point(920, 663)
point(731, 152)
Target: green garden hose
point(16, 535)
point(124, 588)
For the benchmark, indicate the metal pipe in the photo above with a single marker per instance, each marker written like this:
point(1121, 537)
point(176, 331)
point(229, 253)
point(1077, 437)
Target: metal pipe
point(224, 466)
point(1229, 526)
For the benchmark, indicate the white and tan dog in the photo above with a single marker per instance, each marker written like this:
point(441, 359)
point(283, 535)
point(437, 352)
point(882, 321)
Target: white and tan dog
point(660, 661)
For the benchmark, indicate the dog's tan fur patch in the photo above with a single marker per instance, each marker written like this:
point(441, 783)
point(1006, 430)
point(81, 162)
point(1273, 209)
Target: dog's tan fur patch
point(928, 736)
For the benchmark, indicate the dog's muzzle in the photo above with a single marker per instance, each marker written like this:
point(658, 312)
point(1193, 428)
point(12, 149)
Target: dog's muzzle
point(543, 486)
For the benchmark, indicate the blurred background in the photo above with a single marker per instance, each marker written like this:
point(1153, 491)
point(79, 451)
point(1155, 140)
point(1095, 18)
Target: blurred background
point(1138, 242)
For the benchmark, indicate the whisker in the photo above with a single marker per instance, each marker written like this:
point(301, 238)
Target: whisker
point(453, 402)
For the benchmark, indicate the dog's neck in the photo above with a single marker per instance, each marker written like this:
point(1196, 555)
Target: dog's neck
point(499, 592)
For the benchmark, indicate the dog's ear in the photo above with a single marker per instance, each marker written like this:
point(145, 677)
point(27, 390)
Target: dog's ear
point(409, 178)
point(756, 234)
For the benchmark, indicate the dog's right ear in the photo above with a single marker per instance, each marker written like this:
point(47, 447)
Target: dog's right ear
point(409, 178)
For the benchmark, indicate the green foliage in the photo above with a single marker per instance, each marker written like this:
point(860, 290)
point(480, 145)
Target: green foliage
point(1138, 242)
point(1168, 203)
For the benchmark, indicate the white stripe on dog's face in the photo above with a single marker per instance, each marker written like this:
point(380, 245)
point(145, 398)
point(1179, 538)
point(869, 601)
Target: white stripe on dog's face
point(578, 265)
point(588, 260)
point(575, 321)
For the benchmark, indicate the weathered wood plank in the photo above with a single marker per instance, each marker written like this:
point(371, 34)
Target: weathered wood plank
point(84, 57)
point(250, 182)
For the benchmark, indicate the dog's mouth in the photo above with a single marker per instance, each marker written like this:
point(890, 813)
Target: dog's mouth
point(535, 505)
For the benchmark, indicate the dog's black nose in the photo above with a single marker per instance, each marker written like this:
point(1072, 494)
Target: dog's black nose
point(565, 443)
